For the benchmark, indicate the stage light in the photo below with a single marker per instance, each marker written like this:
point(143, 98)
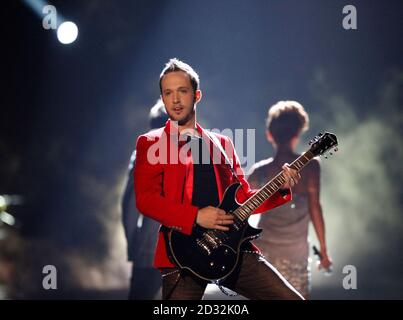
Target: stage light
point(7, 218)
point(67, 32)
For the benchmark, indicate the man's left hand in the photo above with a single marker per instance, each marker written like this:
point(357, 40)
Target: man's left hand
point(291, 177)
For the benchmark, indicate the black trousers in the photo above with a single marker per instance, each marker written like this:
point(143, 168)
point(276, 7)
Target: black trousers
point(255, 279)
point(145, 283)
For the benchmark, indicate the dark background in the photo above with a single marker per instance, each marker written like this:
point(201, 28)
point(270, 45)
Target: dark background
point(71, 115)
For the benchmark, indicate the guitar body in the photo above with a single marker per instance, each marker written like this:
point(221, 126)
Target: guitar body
point(212, 254)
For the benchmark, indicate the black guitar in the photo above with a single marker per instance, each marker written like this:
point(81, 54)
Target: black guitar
point(213, 254)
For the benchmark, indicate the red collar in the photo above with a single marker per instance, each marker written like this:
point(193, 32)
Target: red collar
point(173, 131)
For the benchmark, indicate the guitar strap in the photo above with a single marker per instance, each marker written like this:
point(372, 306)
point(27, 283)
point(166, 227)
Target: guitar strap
point(217, 143)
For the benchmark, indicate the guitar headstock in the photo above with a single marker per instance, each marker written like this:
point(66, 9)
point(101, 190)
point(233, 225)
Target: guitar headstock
point(322, 143)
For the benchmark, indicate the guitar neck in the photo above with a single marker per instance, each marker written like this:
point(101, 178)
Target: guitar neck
point(250, 205)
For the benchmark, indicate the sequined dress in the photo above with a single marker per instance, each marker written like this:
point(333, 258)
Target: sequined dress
point(284, 240)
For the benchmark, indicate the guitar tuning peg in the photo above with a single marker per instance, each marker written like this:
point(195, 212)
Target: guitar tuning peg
point(336, 149)
point(331, 153)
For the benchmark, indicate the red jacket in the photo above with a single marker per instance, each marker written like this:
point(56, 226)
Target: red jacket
point(164, 184)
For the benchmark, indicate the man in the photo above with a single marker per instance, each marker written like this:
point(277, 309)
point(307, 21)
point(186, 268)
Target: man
point(141, 231)
point(179, 192)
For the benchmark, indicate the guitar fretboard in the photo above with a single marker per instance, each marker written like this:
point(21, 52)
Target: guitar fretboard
point(245, 210)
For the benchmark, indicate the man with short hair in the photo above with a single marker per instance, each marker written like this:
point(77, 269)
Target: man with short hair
point(178, 190)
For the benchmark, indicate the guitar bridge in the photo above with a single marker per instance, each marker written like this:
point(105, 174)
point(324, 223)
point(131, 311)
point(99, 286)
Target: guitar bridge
point(212, 239)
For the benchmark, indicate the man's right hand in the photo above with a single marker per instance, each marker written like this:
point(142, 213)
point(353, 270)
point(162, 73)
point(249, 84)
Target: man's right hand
point(214, 218)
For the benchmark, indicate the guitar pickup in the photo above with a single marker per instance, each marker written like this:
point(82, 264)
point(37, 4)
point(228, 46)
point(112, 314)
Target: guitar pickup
point(238, 224)
point(201, 243)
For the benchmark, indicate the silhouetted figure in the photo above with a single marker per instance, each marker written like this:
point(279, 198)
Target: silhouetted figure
point(141, 232)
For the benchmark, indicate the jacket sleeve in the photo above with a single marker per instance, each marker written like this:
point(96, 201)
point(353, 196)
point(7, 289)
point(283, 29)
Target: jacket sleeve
point(148, 181)
point(244, 193)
